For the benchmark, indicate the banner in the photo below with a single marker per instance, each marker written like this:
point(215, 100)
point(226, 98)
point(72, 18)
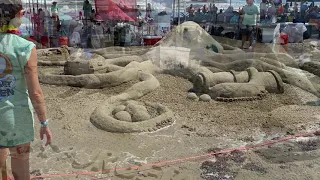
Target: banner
point(116, 9)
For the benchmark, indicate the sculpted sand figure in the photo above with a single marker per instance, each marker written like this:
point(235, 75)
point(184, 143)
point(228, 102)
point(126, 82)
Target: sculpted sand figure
point(222, 71)
point(233, 86)
point(94, 71)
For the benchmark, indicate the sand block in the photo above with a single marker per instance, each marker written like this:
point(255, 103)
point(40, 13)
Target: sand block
point(78, 67)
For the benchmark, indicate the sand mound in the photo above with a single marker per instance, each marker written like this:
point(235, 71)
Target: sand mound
point(189, 35)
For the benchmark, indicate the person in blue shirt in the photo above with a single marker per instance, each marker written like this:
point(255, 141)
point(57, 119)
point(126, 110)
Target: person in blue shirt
point(303, 9)
point(250, 15)
point(314, 13)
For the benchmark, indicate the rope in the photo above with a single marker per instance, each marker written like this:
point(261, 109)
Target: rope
point(225, 151)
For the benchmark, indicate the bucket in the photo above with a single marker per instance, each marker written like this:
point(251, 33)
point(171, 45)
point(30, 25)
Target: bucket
point(53, 41)
point(63, 41)
point(44, 40)
point(284, 38)
point(33, 38)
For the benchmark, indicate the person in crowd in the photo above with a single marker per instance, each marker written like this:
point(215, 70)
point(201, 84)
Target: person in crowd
point(281, 10)
point(314, 18)
point(213, 9)
point(54, 10)
point(250, 14)
point(204, 9)
point(80, 15)
point(148, 11)
point(220, 17)
point(87, 9)
point(41, 16)
point(303, 9)
point(235, 18)
point(263, 9)
point(138, 12)
point(191, 10)
point(314, 13)
point(272, 12)
point(19, 78)
point(296, 10)
point(286, 8)
point(92, 15)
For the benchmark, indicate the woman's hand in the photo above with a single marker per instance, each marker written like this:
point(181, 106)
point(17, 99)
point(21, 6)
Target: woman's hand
point(46, 131)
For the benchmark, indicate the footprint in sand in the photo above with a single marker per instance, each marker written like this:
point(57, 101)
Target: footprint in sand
point(69, 93)
point(153, 173)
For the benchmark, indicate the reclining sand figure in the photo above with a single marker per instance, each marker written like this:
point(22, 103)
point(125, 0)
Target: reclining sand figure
point(233, 86)
point(262, 62)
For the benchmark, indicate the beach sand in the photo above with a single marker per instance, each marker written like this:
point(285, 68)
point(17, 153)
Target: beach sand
point(199, 128)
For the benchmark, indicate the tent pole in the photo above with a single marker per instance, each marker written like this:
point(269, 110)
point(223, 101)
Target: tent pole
point(173, 8)
point(178, 12)
point(185, 7)
point(33, 25)
point(95, 5)
point(30, 16)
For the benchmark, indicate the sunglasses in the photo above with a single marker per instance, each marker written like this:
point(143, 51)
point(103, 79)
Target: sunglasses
point(22, 12)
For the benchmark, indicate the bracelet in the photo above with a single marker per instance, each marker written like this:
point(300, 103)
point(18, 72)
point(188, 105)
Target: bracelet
point(44, 123)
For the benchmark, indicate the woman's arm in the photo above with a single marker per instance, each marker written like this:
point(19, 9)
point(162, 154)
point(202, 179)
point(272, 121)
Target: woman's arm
point(34, 89)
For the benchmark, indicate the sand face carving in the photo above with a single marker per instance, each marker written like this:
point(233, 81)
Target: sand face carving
point(229, 75)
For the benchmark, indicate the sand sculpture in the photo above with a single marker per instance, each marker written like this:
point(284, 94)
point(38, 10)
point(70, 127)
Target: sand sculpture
point(234, 86)
point(118, 114)
point(310, 61)
point(229, 74)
